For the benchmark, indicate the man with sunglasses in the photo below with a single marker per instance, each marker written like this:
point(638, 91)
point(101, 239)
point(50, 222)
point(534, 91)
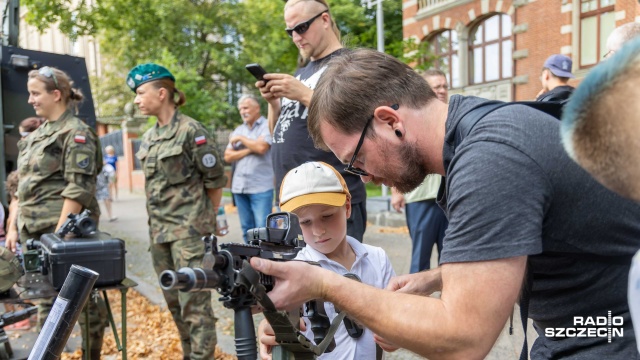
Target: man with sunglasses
point(313, 31)
point(523, 219)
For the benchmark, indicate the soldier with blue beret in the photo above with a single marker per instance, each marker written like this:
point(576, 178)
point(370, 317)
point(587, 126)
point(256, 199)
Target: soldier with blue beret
point(144, 73)
point(184, 179)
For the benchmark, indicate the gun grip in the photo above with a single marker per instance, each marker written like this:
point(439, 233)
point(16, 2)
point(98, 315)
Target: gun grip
point(320, 322)
point(353, 329)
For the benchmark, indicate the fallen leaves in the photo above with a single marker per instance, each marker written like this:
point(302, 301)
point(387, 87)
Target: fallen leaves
point(393, 230)
point(151, 333)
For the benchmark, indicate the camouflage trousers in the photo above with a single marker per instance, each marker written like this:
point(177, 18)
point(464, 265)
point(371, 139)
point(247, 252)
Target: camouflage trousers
point(96, 307)
point(191, 312)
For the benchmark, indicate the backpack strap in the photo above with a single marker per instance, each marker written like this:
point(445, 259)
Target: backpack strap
point(472, 116)
point(463, 128)
point(524, 309)
point(553, 108)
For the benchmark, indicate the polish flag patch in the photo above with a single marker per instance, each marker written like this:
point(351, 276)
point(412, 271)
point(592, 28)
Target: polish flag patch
point(201, 140)
point(79, 139)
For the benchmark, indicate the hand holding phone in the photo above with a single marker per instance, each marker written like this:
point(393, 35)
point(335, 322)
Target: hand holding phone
point(257, 71)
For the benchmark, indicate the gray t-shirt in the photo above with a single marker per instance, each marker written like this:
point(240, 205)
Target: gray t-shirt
point(253, 173)
point(511, 190)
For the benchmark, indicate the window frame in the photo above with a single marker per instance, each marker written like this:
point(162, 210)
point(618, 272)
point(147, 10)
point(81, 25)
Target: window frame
point(499, 40)
point(598, 14)
point(434, 46)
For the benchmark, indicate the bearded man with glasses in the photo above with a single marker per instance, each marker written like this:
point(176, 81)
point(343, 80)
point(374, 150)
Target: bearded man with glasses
point(312, 29)
point(527, 225)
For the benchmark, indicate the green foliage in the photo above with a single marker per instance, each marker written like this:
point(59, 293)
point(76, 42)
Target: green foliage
point(417, 54)
point(204, 43)
point(359, 25)
point(373, 190)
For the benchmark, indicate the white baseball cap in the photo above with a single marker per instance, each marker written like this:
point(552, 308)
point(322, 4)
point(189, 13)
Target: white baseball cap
point(314, 182)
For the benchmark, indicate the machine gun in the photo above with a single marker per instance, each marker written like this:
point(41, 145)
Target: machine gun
point(6, 351)
point(228, 271)
point(16, 316)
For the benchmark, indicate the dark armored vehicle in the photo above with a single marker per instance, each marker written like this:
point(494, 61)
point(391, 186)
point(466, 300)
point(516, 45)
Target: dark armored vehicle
point(15, 64)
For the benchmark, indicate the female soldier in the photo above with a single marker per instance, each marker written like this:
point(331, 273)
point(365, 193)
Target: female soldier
point(184, 181)
point(57, 167)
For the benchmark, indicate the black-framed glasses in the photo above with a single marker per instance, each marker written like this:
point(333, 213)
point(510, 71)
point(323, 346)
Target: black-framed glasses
point(48, 72)
point(302, 27)
point(352, 169)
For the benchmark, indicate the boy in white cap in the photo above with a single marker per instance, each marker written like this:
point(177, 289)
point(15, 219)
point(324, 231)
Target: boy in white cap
point(318, 194)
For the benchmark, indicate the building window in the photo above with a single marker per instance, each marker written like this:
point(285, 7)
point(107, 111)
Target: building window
point(444, 46)
point(597, 21)
point(490, 50)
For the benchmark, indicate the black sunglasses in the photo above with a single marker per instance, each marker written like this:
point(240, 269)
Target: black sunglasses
point(352, 169)
point(302, 27)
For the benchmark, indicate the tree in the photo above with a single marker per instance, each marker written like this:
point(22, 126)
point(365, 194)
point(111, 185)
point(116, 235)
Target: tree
point(263, 39)
point(182, 35)
point(205, 43)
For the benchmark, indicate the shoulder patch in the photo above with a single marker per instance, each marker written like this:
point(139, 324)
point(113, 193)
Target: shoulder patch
point(208, 160)
point(82, 160)
point(80, 139)
point(201, 140)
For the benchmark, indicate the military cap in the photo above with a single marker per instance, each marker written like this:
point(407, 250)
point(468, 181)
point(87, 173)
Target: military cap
point(144, 73)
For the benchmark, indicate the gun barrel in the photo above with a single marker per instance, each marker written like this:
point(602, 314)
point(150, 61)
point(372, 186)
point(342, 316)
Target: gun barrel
point(190, 279)
point(66, 309)
point(14, 317)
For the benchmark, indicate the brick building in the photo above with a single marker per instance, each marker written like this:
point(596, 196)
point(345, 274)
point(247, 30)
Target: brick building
point(495, 48)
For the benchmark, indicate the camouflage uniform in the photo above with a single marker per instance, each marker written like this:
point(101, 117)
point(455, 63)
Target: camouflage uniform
point(10, 269)
point(58, 161)
point(180, 163)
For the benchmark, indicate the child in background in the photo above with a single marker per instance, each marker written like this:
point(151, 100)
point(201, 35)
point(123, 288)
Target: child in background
point(318, 194)
point(111, 158)
point(102, 188)
point(29, 125)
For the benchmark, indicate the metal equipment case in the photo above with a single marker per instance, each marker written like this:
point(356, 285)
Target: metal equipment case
point(98, 252)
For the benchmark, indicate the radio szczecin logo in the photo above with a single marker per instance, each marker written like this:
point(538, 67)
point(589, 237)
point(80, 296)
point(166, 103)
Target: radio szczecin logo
point(598, 326)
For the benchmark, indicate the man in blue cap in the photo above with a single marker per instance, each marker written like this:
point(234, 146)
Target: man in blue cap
point(556, 73)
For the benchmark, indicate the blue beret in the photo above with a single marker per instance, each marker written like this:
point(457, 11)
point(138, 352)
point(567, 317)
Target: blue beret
point(144, 73)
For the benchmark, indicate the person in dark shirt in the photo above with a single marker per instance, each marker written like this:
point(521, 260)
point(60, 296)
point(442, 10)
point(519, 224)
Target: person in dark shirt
point(556, 73)
point(312, 28)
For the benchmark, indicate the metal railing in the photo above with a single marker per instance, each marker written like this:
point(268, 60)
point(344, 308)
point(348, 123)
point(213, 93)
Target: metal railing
point(427, 5)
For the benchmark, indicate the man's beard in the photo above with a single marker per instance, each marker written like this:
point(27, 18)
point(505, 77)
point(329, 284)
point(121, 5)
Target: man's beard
point(411, 175)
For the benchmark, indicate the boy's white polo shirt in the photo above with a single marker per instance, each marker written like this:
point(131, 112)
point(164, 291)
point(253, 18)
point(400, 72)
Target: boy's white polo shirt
point(373, 267)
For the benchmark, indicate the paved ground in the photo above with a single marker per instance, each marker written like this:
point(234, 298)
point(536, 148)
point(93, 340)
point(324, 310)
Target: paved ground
point(131, 226)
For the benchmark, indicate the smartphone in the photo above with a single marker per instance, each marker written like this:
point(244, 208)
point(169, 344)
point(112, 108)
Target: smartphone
point(257, 71)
